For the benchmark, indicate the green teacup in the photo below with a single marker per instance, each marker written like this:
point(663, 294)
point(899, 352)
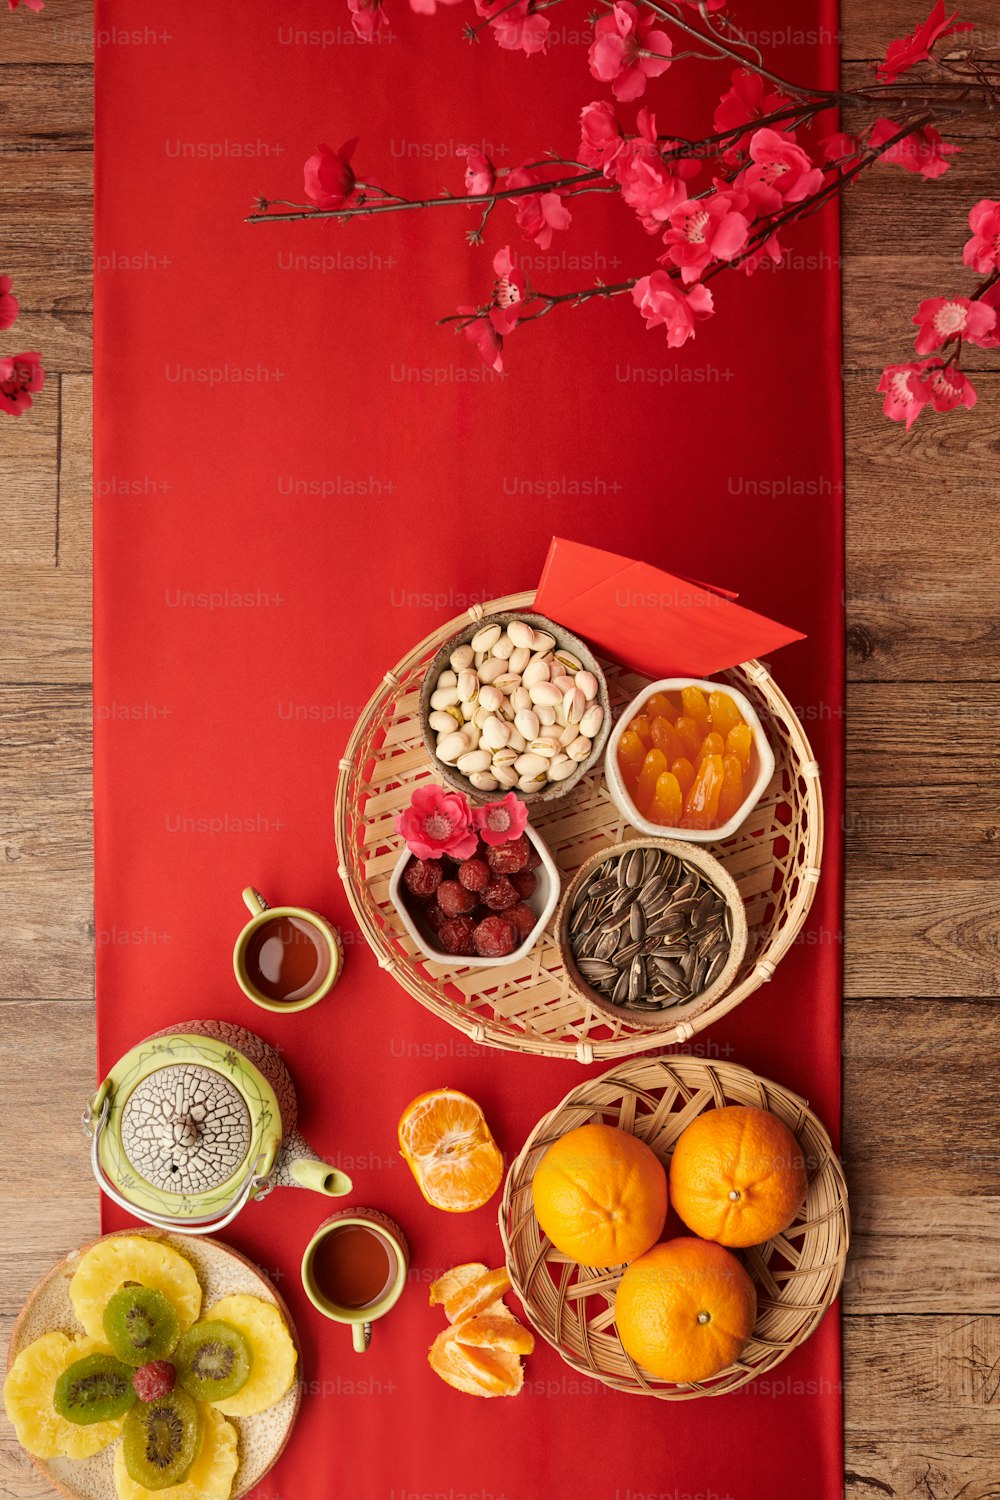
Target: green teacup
point(286, 958)
point(354, 1269)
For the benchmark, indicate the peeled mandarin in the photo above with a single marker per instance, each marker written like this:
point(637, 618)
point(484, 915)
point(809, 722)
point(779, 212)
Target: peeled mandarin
point(739, 742)
point(725, 714)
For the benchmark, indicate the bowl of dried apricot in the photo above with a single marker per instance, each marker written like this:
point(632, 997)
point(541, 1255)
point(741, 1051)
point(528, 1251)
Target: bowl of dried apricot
point(688, 759)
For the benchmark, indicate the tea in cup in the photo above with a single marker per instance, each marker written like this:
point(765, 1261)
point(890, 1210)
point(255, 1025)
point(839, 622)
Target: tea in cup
point(286, 958)
point(354, 1269)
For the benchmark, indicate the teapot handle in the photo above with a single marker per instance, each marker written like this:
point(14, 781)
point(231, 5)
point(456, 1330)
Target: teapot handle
point(244, 1193)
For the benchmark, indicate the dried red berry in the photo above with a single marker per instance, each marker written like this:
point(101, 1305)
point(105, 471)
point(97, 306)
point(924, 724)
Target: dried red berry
point(500, 895)
point(453, 899)
point(474, 874)
point(524, 882)
point(457, 935)
point(495, 937)
point(422, 877)
point(154, 1380)
point(524, 919)
point(505, 859)
point(534, 858)
point(433, 916)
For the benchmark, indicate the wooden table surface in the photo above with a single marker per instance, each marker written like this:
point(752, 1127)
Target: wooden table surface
point(921, 1024)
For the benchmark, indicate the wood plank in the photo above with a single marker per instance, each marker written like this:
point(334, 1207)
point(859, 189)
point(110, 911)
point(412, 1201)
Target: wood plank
point(46, 109)
point(61, 33)
point(62, 338)
point(913, 936)
point(952, 829)
point(75, 491)
point(898, 725)
point(46, 634)
point(867, 29)
point(28, 471)
point(45, 237)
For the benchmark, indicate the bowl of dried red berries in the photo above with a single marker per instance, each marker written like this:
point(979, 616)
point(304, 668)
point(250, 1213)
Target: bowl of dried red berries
point(474, 887)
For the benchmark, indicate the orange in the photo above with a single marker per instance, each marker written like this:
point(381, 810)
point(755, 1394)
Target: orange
point(600, 1195)
point(685, 1310)
point(447, 1145)
point(737, 1175)
point(480, 1353)
point(467, 1290)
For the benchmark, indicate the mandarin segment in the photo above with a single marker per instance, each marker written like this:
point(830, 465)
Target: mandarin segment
point(476, 1372)
point(480, 1353)
point(468, 1290)
point(447, 1144)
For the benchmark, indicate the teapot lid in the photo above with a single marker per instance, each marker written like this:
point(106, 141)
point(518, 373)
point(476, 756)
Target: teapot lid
point(188, 1116)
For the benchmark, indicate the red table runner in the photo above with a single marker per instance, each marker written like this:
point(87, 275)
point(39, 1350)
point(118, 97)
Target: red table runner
point(297, 476)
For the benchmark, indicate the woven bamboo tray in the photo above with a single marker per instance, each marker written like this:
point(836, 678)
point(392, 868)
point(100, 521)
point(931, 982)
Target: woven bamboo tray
point(531, 1006)
point(798, 1274)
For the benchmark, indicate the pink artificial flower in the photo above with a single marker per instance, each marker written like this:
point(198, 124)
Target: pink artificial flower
point(484, 338)
point(480, 173)
point(906, 394)
point(35, 5)
point(706, 229)
point(518, 27)
point(651, 184)
point(539, 214)
point(840, 146)
point(779, 171)
point(901, 55)
point(20, 374)
point(942, 319)
point(949, 386)
point(744, 103)
point(921, 151)
point(616, 57)
point(367, 18)
point(499, 822)
point(437, 822)
point(660, 300)
point(9, 307)
point(509, 292)
point(601, 135)
point(981, 253)
point(329, 179)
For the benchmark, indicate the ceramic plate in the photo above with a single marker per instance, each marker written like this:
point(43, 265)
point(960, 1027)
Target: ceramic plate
point(221, 1272)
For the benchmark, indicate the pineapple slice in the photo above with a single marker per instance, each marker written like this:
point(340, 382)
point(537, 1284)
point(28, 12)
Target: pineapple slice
point(211, 1475)
point(28, 1392)
point(106, 1267)
point(273, 1369)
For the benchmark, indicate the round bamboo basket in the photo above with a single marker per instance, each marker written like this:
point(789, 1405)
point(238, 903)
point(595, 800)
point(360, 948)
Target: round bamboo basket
point(798, 1274)
point(533, 1006)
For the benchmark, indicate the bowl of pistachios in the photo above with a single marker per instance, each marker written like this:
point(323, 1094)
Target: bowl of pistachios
point(652, 931)
point(514, 703)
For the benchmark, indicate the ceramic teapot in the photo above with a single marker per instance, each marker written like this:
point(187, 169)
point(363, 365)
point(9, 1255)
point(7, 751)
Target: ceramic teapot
point(194, 1122)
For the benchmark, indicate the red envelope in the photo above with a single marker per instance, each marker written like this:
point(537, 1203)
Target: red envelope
point(654, 622)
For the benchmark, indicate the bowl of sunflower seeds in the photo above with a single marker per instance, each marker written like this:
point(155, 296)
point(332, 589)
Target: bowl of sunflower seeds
point(652, 931)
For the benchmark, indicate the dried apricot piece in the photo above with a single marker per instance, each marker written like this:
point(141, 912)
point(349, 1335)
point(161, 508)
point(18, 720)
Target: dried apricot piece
point(739, 742)
point(725, 714)
point(695, 705)
point(712, 744)
point(667, 802)
point(652, 767)
point(641, 726)
point(731, 795)
point(666, 738)
point(684, 771)
point(691, 735)
point(631, 754)
point(702, 803)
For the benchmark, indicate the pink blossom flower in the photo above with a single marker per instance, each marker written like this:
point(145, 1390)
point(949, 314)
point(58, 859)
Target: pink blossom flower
point(840, 146)
point(538, 214)
point(480, 173)
point(651, 184)
point(601, 135)
point(942, 319)
point(518, 27)
point(616, 53)
point(660, 300)
point(779, 171)
point(949, 386)
point(745, 102)
point(9, 307)
point(483, 337)
point(706, 229)
point(921, 151)
point(509, 292)
point(981, 253)
point(20, 375)
point(905, 392)
point(329, 179)
point(901, 55)
point(437, 822)
point(429, 7)
point(367, 18)
point(499, 822)
point(35, 5)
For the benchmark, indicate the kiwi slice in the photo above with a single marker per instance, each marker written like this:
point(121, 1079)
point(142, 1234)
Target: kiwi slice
point(141, 1325)
point(95, 1389)
point(161, 1441)
point(213, 1361)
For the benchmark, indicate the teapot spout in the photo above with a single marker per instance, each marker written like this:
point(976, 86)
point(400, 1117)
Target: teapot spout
point(299, 1166)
